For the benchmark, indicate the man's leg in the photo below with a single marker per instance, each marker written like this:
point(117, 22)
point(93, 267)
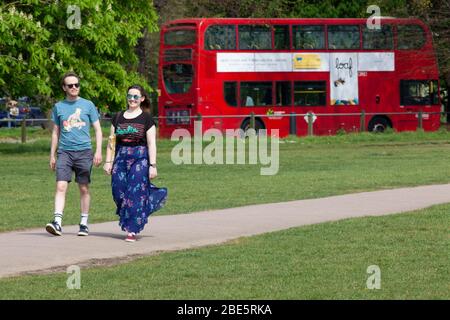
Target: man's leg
point(85, 201)
point(63, 177)
point(60, 196)
point(54, 227)
point(83, 168)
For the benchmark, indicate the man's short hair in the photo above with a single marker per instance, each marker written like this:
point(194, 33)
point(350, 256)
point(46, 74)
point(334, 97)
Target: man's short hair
point(69, 74)
point(12, 103)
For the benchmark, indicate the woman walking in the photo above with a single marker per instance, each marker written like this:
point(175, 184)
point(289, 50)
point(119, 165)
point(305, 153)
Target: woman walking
point(131, 159)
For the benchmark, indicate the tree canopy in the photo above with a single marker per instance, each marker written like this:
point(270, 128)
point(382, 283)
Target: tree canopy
point(40, 40)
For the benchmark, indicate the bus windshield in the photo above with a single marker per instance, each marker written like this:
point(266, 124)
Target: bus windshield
point(178, 77)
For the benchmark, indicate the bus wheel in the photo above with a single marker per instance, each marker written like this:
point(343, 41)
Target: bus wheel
point(379, 124)
point(258, 125)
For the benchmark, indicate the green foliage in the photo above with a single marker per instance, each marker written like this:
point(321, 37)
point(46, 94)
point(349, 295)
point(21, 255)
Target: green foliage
point(41, 40)
point(279, 8)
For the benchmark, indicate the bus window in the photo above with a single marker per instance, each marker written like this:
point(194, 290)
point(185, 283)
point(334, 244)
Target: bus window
point(283, 93)
point(410, 37)
point(378, 39)
point(178, 77)
point(256, 93)
point(309, 37)
point(220, 38)
point(230, 93)
point(253, 37)
point(310, 93)
point(179, 37)
point(343, 37)
point(418, 92)
point(282, 37)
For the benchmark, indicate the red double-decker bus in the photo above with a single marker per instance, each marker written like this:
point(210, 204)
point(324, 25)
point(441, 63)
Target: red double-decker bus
point(332, 68)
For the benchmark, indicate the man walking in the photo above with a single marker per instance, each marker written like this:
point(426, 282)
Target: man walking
point(71, 140)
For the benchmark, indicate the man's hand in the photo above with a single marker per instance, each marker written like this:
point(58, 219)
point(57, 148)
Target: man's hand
point(52, 162)
point(97, 158)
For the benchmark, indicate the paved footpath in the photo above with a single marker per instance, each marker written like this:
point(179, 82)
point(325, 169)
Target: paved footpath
point(36, 251)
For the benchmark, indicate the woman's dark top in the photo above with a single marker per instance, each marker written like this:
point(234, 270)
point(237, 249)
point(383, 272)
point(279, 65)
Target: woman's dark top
point(132, 132)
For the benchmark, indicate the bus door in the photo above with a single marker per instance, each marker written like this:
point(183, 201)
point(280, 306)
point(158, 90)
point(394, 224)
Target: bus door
point(310, 97)
point(378, 98)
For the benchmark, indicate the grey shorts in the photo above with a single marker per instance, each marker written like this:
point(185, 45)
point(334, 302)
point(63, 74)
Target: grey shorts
point(79, 162)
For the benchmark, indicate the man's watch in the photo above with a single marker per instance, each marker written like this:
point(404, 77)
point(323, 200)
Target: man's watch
point(153, 165)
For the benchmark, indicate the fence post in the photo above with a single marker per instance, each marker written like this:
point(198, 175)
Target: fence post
point(293, 124)
point(420, 118)
point(198, 126)
point(362, 125)
point(310, 124)
point(24, 130)
point(252, 120)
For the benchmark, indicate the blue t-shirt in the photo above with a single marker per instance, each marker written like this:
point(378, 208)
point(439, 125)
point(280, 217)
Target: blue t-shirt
point(74, 118)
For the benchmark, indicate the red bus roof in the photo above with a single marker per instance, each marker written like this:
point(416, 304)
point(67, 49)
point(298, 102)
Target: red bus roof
point(199, 21)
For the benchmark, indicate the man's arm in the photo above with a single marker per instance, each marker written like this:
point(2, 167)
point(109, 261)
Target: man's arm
point(54, 146)
point(98, 142)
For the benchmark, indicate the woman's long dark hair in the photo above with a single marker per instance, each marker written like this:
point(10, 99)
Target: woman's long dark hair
point(146, 104)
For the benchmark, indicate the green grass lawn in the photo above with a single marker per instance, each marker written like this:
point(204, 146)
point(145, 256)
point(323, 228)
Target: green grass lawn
point(323, 261)
point(309, 168)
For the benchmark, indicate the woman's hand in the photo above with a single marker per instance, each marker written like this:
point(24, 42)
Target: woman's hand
point(107, 168)
point(152, 173)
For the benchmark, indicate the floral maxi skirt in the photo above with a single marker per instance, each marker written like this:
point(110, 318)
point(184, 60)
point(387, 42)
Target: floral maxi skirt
point(135, 196)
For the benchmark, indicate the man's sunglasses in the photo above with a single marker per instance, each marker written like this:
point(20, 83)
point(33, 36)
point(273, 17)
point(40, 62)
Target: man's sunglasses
point(133, 97)
point(70, 86)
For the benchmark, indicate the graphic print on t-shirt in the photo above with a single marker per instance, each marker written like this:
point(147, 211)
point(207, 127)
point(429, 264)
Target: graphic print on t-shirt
point(74, 121)
point(130, 132)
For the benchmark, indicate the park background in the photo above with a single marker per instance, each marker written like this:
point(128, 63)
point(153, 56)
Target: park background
point(113, 44)
point(117, 45)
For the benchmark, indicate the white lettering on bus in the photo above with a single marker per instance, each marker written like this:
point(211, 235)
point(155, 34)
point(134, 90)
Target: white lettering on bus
point(213, 152)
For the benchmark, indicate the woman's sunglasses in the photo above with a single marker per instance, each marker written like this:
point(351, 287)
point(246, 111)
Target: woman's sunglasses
point(133, 97)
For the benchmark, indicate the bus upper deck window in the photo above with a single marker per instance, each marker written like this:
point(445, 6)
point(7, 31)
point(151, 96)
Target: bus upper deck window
point(378, 39)
point(181, 37)
point(309, 37)
point(220, 37)
point(281, 37)
point(410, 37)
point(343, 37)
point(255, 37)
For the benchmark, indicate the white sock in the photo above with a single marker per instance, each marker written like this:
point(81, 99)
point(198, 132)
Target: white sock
point(84, 218)
point(58, 218)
